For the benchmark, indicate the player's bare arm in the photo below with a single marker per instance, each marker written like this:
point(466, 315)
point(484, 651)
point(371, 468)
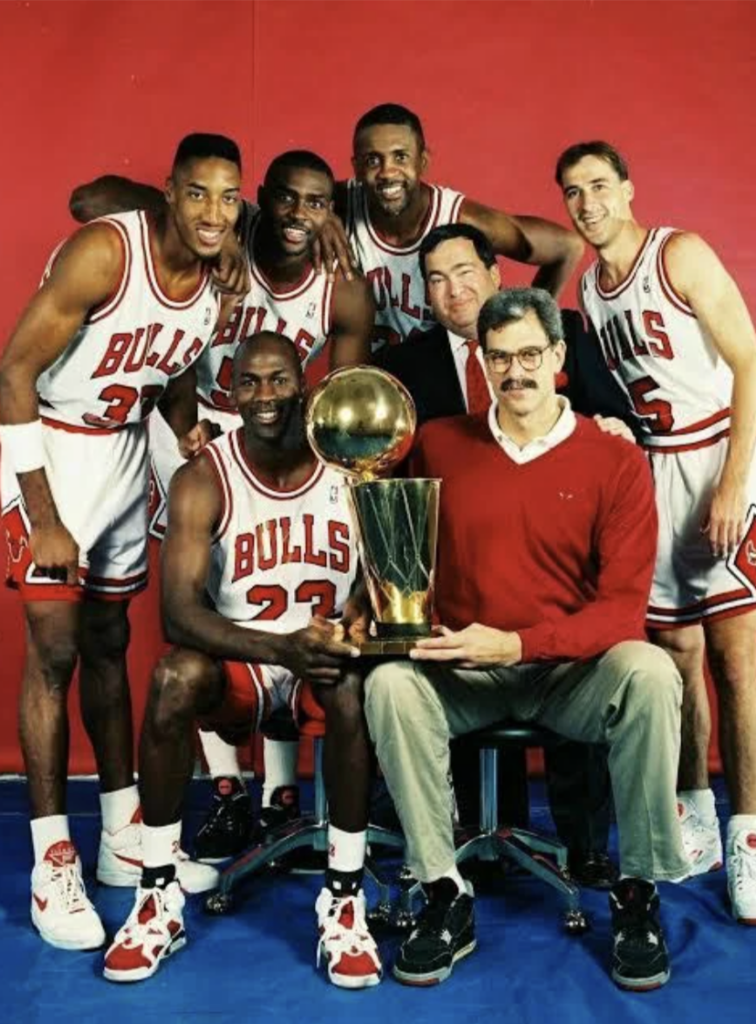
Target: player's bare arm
point(194, 509)
point(113, 194)
point(697, 274)
point(555, 250)
point(87, 270)
point(352, 322)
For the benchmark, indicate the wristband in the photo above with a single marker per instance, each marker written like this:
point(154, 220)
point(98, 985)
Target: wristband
point(23, 445)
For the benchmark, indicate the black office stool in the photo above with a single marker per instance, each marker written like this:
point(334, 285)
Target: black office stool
point(311, 831)
point(539, 855)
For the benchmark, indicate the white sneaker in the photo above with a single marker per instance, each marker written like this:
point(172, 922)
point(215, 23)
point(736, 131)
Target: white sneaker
point(345, 942)
point(153, 931)
point(60, 908)
point(702, 841)
point(119, 861)
point(741, 875)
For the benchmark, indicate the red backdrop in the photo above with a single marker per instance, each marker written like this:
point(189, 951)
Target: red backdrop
point(501, 87)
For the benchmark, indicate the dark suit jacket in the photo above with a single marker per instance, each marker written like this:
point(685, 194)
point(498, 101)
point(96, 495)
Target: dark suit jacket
point(426, 367)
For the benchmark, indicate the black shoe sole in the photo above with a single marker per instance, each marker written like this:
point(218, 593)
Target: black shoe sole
point(433, 977)
point(648, 984)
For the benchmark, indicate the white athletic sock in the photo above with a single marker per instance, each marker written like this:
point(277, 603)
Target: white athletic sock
point(280, 766)
point(48, 831)
point(222, 758)
point(737, 823)
point(159, 844)
point(346, 850)
point(702, 801)
point(118, 808)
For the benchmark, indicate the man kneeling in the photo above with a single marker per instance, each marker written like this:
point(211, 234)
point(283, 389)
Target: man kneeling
point(547, 541)
point(260, 528)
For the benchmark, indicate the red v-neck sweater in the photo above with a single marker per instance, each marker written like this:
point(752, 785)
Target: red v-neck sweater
point(560, 550)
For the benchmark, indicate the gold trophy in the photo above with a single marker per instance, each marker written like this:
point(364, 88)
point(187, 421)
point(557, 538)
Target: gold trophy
point(361, 421)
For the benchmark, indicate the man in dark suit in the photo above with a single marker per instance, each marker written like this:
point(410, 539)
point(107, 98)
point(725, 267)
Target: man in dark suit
point(443, 371)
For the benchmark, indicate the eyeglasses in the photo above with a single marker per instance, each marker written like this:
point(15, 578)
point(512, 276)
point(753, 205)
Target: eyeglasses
point(528, 358)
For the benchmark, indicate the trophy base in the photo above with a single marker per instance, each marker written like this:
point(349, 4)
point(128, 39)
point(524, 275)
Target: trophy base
point(396, 648)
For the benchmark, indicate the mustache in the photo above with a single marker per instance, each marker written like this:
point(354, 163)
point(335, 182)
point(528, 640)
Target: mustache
point(511, 385)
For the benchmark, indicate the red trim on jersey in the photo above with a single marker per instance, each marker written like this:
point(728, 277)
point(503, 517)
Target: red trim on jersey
point(113, 301)
point(152, 277)
point(429, 222)
point(456, 209)
point(281, 292)
point(276, 494)
point(216, 461)
point(117, 581)
point(714, 418)
point(329, 295)
point(675, 449)
point(705, 609)
point(74, 428)
point(670, 292)
point(628, 280)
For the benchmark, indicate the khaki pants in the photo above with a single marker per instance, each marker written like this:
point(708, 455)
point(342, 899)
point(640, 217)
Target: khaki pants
point(628, 698)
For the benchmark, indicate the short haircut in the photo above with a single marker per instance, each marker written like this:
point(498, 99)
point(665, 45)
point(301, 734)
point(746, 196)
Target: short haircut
point(446, 233)
point(602, 150)
point(391, 113)
point(513, 304)
point(201, 146)
point(298, 158)
point(262, 338)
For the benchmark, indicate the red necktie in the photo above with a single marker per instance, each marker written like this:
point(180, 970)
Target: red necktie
point(476, 385)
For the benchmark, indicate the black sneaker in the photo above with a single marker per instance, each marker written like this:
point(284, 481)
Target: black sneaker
point(640, 961)
point(227, 829)
point(283, 808)
point(445, 932)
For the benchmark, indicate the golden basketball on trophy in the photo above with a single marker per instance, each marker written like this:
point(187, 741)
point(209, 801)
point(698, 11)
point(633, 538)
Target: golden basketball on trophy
point(361, 421)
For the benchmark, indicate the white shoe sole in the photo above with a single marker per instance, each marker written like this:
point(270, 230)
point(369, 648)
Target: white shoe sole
point(81, 945)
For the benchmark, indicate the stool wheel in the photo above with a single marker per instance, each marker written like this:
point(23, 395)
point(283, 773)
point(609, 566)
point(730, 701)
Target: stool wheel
point(575, 922)
point(219, 903)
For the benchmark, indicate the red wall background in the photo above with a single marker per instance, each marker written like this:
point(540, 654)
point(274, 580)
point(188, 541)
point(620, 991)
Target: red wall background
point(502, 87)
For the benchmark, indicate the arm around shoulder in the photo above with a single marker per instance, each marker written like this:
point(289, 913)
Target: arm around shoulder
point(111, 193)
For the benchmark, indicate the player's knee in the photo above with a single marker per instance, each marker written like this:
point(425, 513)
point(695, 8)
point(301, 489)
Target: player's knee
point(105, 632)
point(179, 689)
point(653, 683)
point(389, 691)
point(343, 703)
point(732, 667)
point(54, 651)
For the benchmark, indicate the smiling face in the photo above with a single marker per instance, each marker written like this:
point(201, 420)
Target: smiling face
point(459, 283)
point(295, 203)
point(204, 200)
point(597, 200)
point(389, 160)
point(268, 388)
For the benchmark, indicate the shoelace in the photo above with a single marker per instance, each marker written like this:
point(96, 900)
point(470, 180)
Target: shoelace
point(137, 928)
point(346, 938)
point(68, 880)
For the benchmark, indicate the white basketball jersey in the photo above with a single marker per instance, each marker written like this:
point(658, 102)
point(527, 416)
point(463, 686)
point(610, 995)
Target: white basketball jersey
point(118, 364)
point(279, 557)
point(401, 302)
point(677, 383)
point(302, 312)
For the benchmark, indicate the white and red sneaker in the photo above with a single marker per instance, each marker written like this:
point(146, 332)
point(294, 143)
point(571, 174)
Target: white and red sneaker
point(153, 931)
point(119, 861)
point(60, 908)
point(346, 944)
point(741, 875)
point(702, 841)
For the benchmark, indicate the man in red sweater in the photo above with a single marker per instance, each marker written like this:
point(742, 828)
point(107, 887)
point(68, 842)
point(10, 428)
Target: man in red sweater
point(551, 631)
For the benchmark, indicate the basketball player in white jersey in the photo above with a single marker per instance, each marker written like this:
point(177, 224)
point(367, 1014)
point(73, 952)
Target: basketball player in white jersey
point(285, 295)
point(264, 530)
point(676, 334)
point(389, 209)
point(126, 306)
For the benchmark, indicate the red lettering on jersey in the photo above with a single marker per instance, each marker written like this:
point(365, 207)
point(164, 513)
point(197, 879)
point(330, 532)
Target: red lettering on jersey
point(288, 554)
point(639, 345)
point(338, 542)
point(165, 365)
point(304, 342)
point(311, 556)
point(153, 357)
point(193, 351)
point(653, 323)
point(388, 284)
point(614, 327)
point(406, 307)
point(375, 278)
point(244, 556)
point(117, 348)
point(269, 559)
point(237, 326)
point(608, 348)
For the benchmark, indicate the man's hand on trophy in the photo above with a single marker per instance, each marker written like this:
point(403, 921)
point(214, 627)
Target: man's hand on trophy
point(475, 646)
point(318, 652)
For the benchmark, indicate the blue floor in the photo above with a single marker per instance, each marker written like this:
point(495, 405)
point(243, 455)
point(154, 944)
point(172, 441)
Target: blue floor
point(258, 964)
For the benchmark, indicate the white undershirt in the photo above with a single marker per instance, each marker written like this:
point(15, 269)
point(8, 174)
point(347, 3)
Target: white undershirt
point(561, 430)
